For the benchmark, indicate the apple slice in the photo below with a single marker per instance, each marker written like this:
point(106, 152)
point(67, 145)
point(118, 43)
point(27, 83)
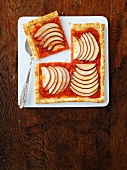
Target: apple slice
point(51, 34)
point(83, 94)
point(59, 80)
point(54, 43)
point(85, 86)
point(88, 46)
point(49, 31)
point(52, 78)
point(91, 47)
point(45, 76)
point(44, 28)
point(63, 79)
point(85, 81)
point(85, 66)
point(96, 47)
point(77, 75)
point(81, 47)
point(84, 48)
point(51, 39)
point(85, 91)
point(67, 79)
point(57, 47)
point(85, 72)
point(76, 48)
point(55, 80)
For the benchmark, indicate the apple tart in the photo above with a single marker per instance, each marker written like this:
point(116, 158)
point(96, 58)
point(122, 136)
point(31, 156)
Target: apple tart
point(64, 82)
point(45, 35)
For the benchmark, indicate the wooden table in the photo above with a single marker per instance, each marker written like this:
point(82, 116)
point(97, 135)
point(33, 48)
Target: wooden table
point(63, 138)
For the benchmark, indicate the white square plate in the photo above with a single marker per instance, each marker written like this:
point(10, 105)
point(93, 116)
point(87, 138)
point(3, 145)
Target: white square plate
point(64, 56)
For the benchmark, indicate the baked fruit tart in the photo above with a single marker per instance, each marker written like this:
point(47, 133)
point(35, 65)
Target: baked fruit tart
point(81, 80)
point(45, 35)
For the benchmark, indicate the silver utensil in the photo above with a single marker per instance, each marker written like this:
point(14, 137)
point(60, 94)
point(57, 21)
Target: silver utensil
point(23, 96)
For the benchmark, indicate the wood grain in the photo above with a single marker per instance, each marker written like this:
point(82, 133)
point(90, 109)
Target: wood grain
point(64, 138)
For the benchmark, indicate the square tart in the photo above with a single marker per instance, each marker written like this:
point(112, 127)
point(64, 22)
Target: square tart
point(45, 35)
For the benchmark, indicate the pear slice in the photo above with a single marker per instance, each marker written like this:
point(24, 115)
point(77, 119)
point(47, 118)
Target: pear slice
point(84, 86)
point(85, 81)
point(51, 39)
point(59, 80)
point(52, 78)
point(91, 47)
point(81, 48)
point(44, 28)
point(63, 79)
point(84, 48)
point(96, 47)
point(51, 34)
point(83, 94)
point(55, 80)
point(85, 66)
point(54, 43)
point(85, 91)
point(88, 46)
point(67, 79)
point(76, 48)
point(45, 76)
point(85, 72)
point(49, 31)
point(77, 75)
point(57, 47)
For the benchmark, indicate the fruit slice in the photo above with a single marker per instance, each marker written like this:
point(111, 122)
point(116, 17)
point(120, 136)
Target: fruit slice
point(85, 86)
point(85, 72)
point(50, 40)
point(91, 47)
point(44, 28)
point(52, 78)
point(51, 34)
point(76, 48)
point(55, 80)
point(63, 79)
point(85, 77)
point(84, 48)
point(59, 80)
point(57, 47)
point(96, 47)
point(45, 76)
point(67, 79)
point(85, 91)
point(85, 66)
point(88, 46)
point(49, 31)
point(85, 81)
point(83, 94)
point(81, 47)
point(54, 43)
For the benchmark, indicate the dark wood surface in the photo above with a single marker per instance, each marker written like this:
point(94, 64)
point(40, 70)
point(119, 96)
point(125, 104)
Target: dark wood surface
point(63, 138)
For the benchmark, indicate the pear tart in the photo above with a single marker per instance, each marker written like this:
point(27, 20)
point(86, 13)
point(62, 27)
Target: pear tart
point(62, 82)
point(87, 41)
point(45, 35)
point(81, 80)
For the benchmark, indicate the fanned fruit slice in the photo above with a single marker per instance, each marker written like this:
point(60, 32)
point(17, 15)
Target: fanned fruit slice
point(55, 79)
point(85, 41)
point(46, 35)
point(85, 81)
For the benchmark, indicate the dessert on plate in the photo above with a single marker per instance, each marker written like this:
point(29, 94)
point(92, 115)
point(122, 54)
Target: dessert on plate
point(81, 80)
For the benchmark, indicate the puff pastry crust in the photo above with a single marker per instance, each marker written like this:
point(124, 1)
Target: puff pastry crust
point(43, 31)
